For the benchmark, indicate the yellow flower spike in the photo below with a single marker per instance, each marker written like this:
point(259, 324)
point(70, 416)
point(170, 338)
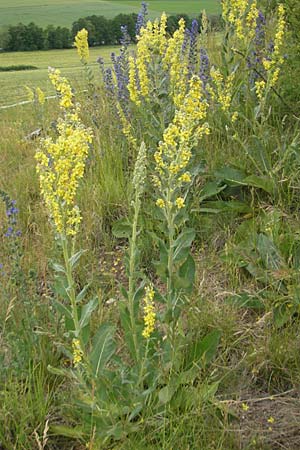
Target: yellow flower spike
point(30, 93)
point(40, 96)
point(234, 117)
point(172, 61)
point(81, 43)
point(132, 85)
point(245, 407)
point(63, 87)
point(149, 312)
point(77, 352)
point(251, 19)
point(271, 420)
point(61, 164)
point(260, 87)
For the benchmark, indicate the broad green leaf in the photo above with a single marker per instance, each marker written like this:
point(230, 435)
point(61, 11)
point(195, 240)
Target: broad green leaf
point(231, 176)
point(182, 243)
point(203, 351)
point(269, 253)
point(282, 315)
point(186, 275)
point(82, 293)
point(75, 258)
point(122, 229)
point(265, 183)
point(166, 394)
point(211, 189)
point(58, 267)
point(103, 347)
point(63, 430)
point(221, 206)
point(87, 311)
point(63, 309)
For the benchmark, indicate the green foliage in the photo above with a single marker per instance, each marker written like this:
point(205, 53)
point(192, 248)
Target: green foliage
point(16, 68)
point(221, 274)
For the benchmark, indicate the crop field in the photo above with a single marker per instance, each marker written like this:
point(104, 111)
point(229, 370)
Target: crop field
point(64, 12)
point(149, 239)
point(13, 83)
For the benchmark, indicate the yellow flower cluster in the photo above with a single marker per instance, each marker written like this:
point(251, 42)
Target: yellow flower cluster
point(175, 150)
point(81, 43)
point(62, 86)
point(251, 19)
point(126, 126)
point(38, 95)
point(149, 312)
point(60, 167)
point(223, 88)
point(77, 352)
point(273, 64)
point(242, 16)
point(151, 41)
point(177, 67)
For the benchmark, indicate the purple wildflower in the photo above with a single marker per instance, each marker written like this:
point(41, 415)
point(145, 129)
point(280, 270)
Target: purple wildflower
point(125, 39)
point(193, 35)
point(204, 72)
point(141, 18)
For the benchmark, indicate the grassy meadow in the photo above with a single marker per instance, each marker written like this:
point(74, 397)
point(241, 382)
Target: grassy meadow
point(13, 83)
point(64, 12)
point(149, 242)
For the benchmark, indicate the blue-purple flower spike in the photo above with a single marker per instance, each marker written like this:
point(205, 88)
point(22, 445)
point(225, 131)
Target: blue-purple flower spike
point(193, 34)
point(11, 213)
point(204, 72)
point(141, 18)
point(125, 39)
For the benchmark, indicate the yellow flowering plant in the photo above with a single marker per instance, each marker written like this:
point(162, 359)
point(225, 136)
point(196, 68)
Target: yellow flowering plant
point(60, 167)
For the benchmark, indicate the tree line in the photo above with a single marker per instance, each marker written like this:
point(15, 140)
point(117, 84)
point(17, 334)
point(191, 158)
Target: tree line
point(102, 31)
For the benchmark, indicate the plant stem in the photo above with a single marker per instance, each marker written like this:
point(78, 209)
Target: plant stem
point(132, 269)
point(71, 290)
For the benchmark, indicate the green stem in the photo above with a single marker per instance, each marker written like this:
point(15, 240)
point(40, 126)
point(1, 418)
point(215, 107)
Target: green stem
point(71, 289)
point(132, 270)
point(170, 222)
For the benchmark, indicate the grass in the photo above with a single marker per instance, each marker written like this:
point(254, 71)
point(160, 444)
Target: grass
point(64, 12)
point(13, 83)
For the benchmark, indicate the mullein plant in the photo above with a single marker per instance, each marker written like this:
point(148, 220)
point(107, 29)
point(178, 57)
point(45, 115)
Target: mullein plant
point(117, 388)
point(60, 167)
point(82, 46)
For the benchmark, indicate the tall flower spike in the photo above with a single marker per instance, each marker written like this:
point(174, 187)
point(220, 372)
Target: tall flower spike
point(61, 164)
point(81, 43)
point(62, 87)
point(149, 312)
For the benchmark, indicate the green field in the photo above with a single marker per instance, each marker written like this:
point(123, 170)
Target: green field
point(13, 83)
point(64, 12)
